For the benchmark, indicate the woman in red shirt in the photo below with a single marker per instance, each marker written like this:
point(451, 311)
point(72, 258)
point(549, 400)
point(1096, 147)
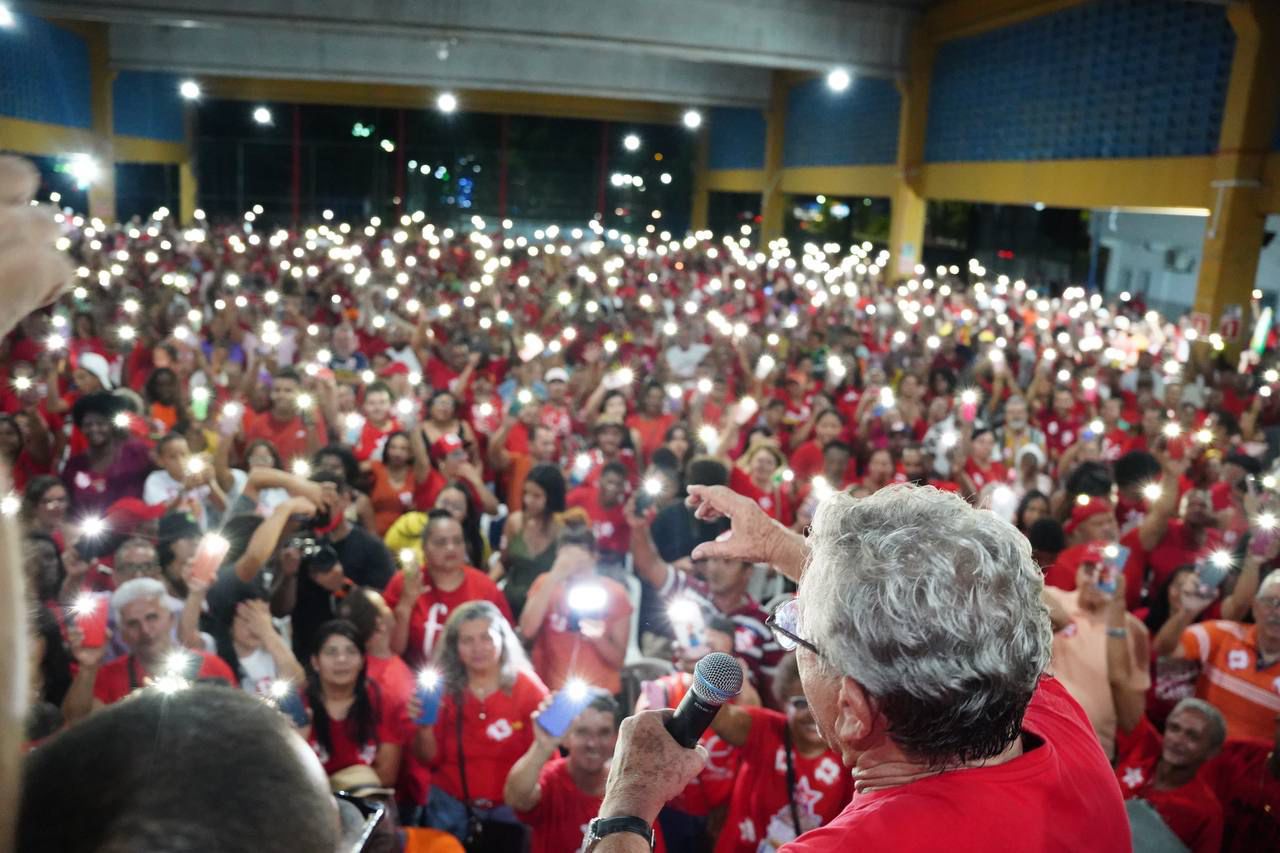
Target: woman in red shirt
point(981, 469)
point(487, 695)
point(350, 722)
point(394, 483)
point(651, 423)
point(806, 460)
point(753, 476)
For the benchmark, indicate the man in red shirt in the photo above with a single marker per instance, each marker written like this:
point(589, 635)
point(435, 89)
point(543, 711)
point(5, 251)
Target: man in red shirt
point(293, 432)
point(922, 647)
point(1060, 425)
point(558, 796)
point(1245, 777)
point(604, 503)
point(146, 623)
point(1161, 770)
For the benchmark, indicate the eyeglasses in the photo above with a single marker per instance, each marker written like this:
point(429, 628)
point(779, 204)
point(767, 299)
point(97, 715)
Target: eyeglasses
point(372, 811)
point(1271, 602)
point(784, 621)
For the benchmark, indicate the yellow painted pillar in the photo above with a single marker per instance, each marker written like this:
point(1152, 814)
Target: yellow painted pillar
point(908, 205)
point(775, 129)
point(188, 186)
point(102, 193)
point(1234, 232)
point(698, 211)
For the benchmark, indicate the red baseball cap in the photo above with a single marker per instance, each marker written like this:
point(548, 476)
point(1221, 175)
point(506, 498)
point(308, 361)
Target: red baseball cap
point(396, 368)
point(1083, 511)
point(127, 514)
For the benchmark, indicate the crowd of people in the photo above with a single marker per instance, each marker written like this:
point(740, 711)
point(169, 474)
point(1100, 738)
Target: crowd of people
point(411, 485)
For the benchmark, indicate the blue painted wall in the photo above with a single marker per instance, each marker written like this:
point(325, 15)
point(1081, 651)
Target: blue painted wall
point(858, 126)
point(1115, 78)
point(737, 139)
point(44, 74)
point(147, 104)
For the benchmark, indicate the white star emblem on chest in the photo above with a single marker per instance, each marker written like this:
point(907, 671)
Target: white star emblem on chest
point(1132, 777)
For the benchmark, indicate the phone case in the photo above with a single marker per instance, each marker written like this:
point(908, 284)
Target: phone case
point(294, 708)
point(209, 555)
point(562, 711)
point(93, 625)
point(430, 699)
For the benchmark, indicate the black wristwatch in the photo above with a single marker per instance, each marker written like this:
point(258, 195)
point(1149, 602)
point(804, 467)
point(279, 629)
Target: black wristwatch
point(602, 826)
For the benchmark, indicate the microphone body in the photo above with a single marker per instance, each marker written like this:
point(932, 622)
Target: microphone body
point(716, 679)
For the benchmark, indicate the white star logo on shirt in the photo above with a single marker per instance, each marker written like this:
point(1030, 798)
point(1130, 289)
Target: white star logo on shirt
point(826, 772)
point(499, 730)
point(747, 830)
point(1132, 777)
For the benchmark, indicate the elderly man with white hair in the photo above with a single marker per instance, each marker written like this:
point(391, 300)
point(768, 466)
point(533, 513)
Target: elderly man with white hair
point(922, 643)
point(145, 621)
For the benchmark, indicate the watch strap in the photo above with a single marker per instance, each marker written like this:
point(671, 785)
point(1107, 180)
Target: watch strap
point(603, 826)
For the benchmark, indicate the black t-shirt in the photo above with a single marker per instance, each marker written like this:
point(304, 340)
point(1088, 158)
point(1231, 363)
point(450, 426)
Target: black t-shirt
point(676, 532)
point(365, 562)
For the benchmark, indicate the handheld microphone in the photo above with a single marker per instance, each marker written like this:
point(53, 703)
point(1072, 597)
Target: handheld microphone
point(716, 679)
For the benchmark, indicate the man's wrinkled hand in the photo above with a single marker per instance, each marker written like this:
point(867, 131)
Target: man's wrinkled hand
point(649, 767)
point(33, 273)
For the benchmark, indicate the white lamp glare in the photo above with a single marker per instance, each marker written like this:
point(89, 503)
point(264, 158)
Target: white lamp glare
point(7, 20)
point(447, 102)
point(692, 119)
point(631, 142)
point(838, 79)
point(262, 115)
point(189, 90)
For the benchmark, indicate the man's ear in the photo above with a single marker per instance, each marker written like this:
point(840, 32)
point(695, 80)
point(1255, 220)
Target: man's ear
point(855, 716)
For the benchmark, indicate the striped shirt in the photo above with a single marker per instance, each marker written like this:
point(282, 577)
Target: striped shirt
point(1232, 680)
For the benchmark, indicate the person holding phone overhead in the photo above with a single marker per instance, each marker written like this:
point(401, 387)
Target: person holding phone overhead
point(474, 713)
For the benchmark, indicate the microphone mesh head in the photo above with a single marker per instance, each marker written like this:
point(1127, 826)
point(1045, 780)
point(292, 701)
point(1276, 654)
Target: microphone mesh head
point(717, 678)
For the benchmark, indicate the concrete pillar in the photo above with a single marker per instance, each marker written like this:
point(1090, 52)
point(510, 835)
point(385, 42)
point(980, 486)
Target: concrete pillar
point(701, 204)
point(772, 199)
point(908, 205)
point(102, 193)
point(1234, 232)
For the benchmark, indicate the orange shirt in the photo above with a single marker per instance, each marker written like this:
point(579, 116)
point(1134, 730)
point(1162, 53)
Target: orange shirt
point(652, 431)
point(561, 651)
point(389, 502)
point(1230, 679)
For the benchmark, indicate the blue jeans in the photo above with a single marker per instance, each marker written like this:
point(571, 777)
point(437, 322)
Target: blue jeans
point(448, 813)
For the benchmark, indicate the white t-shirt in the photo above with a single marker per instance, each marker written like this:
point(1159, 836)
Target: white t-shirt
point(258, 672)
point(684, 362)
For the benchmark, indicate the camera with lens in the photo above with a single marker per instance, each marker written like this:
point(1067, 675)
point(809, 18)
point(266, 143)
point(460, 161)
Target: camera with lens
point(318, 553)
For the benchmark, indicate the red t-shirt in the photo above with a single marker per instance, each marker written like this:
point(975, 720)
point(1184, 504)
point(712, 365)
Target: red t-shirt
point(1177, 548)
point(806, 461)
point(561, 650)
point(1248, 793)
point(712, 787)
point(347, 749)
point(993, 472)
point(289, 438)
point(774, 502)
point(372, 440)
point(396, 683)
point(608, 523)
point(760, 809)
point(559, 820)
point(1057, 798)
point(1191, 812)
point(432, 609)
point(495, 733)
point(114, 682)
point(652, 431)
point(440, 375)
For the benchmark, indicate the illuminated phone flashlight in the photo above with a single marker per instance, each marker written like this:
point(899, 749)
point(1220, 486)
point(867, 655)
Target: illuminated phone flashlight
point(587, 598)
point(181, 333)
point(428, 678)
point(126, 333)
point(709, 437)
point(1152, 491)
point(1265, 521)
point(368, 376)
point(610, 346)
point(93, 527)
point(353, 421)
point(130, 306)
point(765, 366)
point(1172, 368)
point(195, 465)
point(1096, 426)
point(200, 394)
point(86, 604)
point(305, 401)
point(1271, 375)
point(886, 397)
point(10, 504)
point(1204, 436)
point(408, 557)
point(686, 618)
point(1264, 391)
point(232, 411)
point(525, 397)
point(675, 392)
point(1083, 500)
point(55, 342)
point(22, 383)
point(279, 689)
point(968, 397)
point(1221, 559)
point(1064, 375)
point(948, 439)
point(485, 410)
point(652, 486)
point(821, 488)
point(747, 407)
point(405, 407)
point(624, 376)
point(1111, 551)
point(576, 689)
point(581, 465)
point(300, 468)
point(175, 663)
point(1171, 430)
point(704, 386)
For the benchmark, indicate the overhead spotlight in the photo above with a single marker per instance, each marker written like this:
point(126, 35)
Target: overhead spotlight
point(189, 90)
point(447, 102)
point(838, 79)
point(83, 169)
point(631, 142)
point(692, 119)
point(7, 20)
point(262, 115)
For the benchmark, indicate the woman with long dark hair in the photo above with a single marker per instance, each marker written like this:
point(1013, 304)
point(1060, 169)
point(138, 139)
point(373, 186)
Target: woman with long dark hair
point(394, 483)
point(44, 508)
point(350, 724)
point(529, 537)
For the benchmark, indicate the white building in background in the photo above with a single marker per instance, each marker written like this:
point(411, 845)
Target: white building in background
point(1158, 255)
